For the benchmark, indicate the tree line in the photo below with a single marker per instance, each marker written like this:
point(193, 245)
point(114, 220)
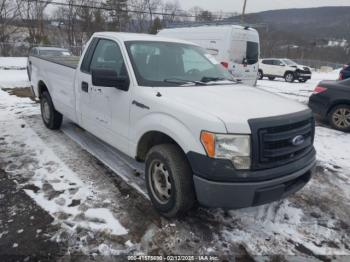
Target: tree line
point(72, 22)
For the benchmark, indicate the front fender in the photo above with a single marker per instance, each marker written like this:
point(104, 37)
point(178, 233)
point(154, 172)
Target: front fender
point(187, 139)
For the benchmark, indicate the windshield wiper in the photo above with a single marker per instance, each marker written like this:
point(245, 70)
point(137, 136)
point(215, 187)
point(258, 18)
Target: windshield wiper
point(183, 81)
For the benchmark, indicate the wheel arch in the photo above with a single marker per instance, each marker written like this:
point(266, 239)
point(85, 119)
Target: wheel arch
point(160, 128)
point(337, 103)
point(42, 87)
point(289, 71)
point(151, 139)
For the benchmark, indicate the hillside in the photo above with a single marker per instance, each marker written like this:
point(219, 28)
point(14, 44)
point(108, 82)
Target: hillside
point(323, 22)
point(304, 33)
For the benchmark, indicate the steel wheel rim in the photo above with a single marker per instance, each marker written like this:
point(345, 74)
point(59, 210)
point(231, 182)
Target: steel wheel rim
point(160, 183)
point(45, 109)
point(289, 77)
point(341, 118)
point(259, 75)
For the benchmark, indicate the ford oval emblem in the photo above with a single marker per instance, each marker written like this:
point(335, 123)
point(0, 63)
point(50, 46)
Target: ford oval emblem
point(298, 140)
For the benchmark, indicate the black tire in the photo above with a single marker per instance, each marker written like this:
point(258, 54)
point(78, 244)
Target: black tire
point(170, 159)
point(51, 118)
point(338, 123)
point(271, 78)
point(260, 74)
point(289, 77)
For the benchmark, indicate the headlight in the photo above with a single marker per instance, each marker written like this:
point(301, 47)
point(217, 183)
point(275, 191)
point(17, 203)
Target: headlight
point(233, 147)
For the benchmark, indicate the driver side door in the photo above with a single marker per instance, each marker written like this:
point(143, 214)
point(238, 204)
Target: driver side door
point(107, 115)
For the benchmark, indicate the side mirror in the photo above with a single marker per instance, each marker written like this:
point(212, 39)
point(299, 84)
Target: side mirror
point(109, 78)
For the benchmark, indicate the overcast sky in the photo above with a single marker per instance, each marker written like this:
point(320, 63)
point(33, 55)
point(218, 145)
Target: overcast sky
point(259, 5)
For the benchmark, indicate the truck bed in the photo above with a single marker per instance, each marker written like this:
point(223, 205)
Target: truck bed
point(69, 61)
point(58, 74)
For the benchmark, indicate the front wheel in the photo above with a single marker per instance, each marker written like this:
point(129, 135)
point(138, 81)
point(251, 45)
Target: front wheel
point(169, 180)
point(339, 118)
point(289, 77)
point(260, 75)
point(51, 118)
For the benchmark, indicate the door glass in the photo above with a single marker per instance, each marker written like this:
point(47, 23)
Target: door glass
point(108, 56)
point(238, 51)
point(277, 62)
point(252, 53)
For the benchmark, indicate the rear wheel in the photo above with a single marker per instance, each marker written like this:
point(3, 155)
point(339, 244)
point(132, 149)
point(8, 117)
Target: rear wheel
point(260, 74)
point(339, 118)
point(289, 77)
point(169, 180)
point(51, 118)
point(271, 78)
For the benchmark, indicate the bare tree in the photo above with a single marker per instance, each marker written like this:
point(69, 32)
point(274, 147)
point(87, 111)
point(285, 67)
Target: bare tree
point(152, 6)
point(32, 14)
point(172, 8)
point(9, 14)
point(196, 10)
point(91, 17)
point(139, 15)
point(68, 17)
point(118, 14)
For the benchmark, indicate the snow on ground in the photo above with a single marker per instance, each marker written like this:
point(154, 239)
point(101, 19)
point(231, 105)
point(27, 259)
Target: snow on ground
point(51, 173)
point(296, 91)
point(13, 62)
point(10, 78)
point(99, 214)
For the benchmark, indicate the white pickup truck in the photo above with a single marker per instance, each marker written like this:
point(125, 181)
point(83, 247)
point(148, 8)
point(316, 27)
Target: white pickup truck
point(203, 137)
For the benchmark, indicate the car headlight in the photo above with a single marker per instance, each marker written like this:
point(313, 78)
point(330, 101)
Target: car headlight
point(233, 147)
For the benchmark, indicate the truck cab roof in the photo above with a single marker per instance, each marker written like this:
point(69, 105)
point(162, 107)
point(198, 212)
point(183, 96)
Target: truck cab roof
point(139, 37)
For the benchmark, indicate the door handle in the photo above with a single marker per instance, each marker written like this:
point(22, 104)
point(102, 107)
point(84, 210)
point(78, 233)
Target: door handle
point(85, 87)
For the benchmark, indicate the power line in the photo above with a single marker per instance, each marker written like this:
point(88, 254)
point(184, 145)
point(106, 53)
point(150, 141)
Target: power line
point(182, 13)
point(106, 8)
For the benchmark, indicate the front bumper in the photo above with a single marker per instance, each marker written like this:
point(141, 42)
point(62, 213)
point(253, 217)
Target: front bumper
point(303, 76)
point(239, 195)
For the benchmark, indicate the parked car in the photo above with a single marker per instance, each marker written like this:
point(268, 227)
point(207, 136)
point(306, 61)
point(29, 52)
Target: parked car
point(283, 68)
point(237, 48)
point(331, 101)
point(202, 136)
point(345, 72)
point(45, 52)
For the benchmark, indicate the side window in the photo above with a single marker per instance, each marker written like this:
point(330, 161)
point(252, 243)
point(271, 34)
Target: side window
point(88, 56)
point(267, 62)
point(108, 55)
point(277, 62)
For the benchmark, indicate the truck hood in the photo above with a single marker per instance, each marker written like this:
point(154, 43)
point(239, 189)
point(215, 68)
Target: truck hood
point(234, 105)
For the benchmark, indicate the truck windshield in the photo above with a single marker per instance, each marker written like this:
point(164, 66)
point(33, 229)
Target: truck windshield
point(173, 64)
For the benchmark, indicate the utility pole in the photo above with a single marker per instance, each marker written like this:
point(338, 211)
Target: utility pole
point(243, 12)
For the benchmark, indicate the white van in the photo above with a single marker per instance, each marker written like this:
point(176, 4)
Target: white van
point(237, 48)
